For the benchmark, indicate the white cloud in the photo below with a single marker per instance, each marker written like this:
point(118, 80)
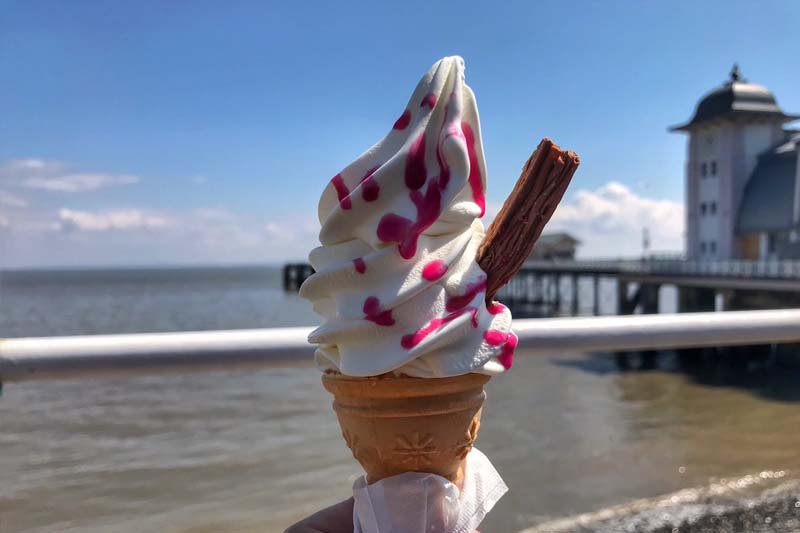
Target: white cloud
point(218, 214)
point(30, 167)
point(3, 221)
point(12, 200)
point(54, 176)
point(114, 219)
point(140, 236)
point(79, 182)
point(609, 221)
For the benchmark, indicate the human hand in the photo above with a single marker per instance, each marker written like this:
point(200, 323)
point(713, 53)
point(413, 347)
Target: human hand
point(337, 518)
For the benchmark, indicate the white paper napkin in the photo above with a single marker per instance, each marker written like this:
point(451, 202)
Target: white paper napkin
point(415, 501)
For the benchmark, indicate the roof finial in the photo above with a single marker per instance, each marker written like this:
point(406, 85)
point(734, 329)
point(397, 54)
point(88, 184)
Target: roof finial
point(735, 74)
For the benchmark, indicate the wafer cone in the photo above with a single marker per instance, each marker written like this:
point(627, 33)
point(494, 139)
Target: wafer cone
point(395, 424)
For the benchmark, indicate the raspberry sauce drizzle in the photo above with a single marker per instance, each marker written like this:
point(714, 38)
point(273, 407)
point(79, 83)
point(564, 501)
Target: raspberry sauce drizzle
point(341, 191)
point(475, 181)
point(509, 342)
point(403, 121)
point(506, 357)
point(429, 100)
point(495, 337)
point(413, 339)
point(416, 174)
point(395, 228)
point(360, 265)
point(462, 300)
point(434, 270)
point(374, 313)
point(369, 187)
point(495, 308)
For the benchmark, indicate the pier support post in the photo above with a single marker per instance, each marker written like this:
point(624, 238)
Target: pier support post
point(596, 295)
point(574, 295)
point(622, 298)
point(649, 300)
point(294, 274)
point(289, 277)
point(557, 279)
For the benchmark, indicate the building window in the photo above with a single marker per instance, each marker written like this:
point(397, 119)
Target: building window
point(712, 247)
point(703, 170)
point(771, 244)
point(703, 209)
point(702, 248)
point(712, 207)
point(713, 168)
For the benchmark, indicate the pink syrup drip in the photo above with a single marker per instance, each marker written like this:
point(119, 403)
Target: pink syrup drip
point(429, 100)
point(462, 300)
point(341, 191)
point(395, 228)
point(474, 169)
point(369, 187)
point(434, 270)
point(416, 174)
point(506, 357)
point(374, 313)
point(413, 339)
point(495, 308)
point(495, 337)
point(360, 265)
point(403, 122)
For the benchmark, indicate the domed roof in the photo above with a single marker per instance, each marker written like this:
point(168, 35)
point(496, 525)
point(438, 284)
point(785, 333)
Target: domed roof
point(736, 97)
point(768, 198)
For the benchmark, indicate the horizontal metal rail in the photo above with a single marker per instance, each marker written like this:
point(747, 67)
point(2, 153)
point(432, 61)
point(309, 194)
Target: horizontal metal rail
point(29, 359)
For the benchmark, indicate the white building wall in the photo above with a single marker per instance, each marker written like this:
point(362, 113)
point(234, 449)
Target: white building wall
point(730, 147)
point(753, 138)
point(756, 139)
point(729, 152)
point(692, 191)
point(707, 206)
point(794, 235)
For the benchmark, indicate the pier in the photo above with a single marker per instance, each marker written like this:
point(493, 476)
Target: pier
point(294, 274)
point(539, 288)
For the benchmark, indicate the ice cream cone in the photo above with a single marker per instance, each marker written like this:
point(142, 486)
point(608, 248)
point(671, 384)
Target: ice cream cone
point(395, 424)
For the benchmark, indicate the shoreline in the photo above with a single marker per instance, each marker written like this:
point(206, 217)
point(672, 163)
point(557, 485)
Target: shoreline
point(730, 506)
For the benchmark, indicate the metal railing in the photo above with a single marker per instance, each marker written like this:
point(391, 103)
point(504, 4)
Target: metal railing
point(30, 359)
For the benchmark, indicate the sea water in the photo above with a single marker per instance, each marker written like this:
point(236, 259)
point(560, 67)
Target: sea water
point(255, 451)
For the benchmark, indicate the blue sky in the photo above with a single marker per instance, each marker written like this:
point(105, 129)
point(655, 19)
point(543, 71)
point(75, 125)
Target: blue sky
point(204, 132)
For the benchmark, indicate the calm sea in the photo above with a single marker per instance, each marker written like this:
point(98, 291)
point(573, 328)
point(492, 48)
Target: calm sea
point(256, 451)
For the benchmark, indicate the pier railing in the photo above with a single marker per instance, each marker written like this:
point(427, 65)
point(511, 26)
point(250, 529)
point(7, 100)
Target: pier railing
point(79, 357)
point(771, 269)
point(762, 273)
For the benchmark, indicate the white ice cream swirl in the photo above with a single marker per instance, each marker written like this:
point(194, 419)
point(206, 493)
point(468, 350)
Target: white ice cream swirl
point(396, 278)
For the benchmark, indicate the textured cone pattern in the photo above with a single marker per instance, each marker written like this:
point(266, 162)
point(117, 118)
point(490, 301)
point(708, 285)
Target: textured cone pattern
point(396, 424)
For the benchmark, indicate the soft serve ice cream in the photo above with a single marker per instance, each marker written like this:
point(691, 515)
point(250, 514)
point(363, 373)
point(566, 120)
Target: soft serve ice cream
point(396, 279)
